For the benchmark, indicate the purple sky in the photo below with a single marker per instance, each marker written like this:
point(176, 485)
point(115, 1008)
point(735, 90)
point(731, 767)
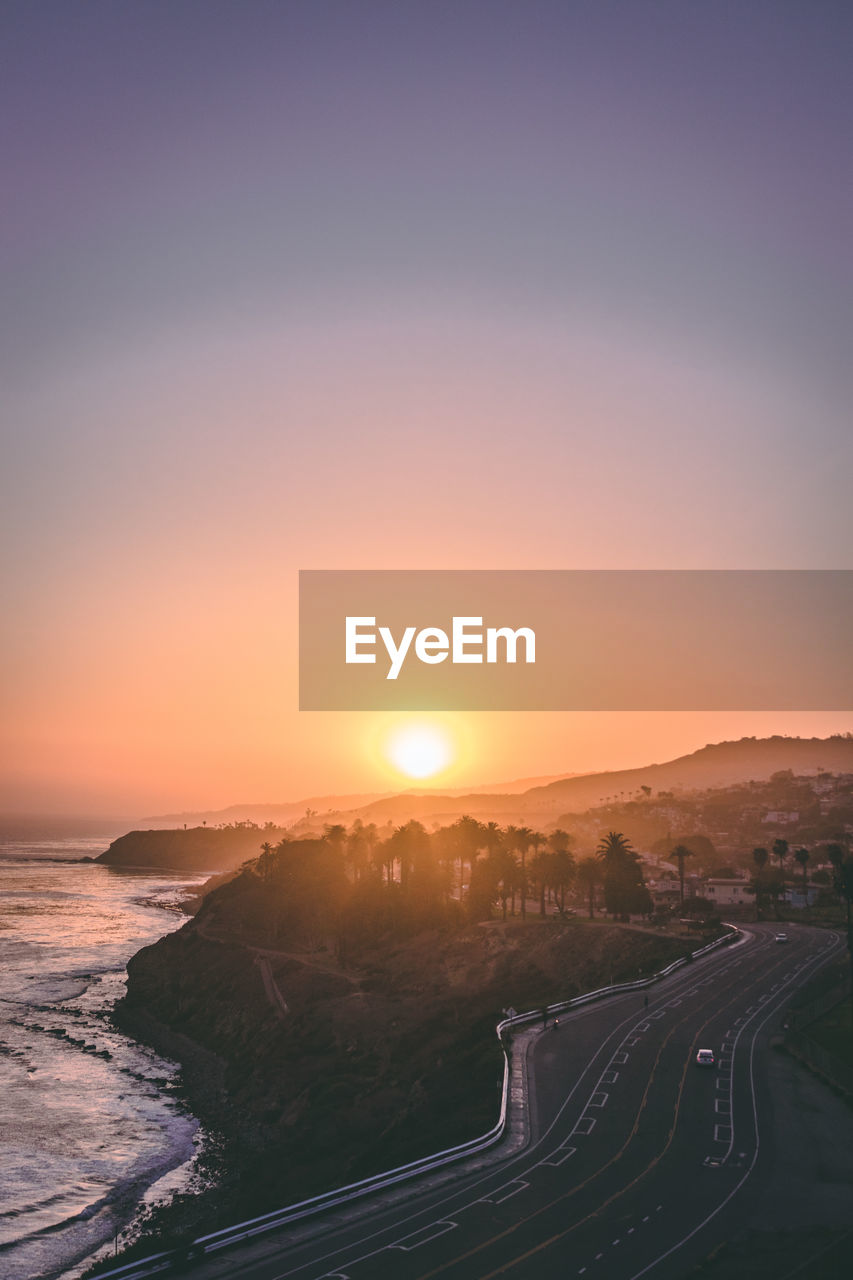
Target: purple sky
point(401, 284)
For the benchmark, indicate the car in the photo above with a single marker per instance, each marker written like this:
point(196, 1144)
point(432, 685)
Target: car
point(781, 937)
point(705, 1058)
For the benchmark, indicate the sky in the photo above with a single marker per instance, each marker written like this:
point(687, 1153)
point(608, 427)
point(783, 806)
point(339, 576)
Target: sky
point(395, 285)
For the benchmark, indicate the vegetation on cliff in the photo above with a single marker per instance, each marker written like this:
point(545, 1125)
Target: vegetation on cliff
point(335, 1005)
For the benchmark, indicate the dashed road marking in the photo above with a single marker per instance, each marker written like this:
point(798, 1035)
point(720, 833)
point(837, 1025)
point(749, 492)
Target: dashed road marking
point(722, 1133)
point(588, 1122)
point(618, 1060)
point(511, 1189)
point(609, 1077)
point(598, 1100)
point(425, 1235)
point(558, 1157)
point(722, 1106)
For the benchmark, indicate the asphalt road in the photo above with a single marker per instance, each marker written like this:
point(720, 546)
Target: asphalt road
point(640, 1162)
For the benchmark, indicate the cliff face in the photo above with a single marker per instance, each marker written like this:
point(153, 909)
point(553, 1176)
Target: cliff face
point(328, 1072)
point(193, 849)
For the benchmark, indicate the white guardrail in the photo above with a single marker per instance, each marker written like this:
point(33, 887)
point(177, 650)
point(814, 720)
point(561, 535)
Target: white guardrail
point(176, 1259)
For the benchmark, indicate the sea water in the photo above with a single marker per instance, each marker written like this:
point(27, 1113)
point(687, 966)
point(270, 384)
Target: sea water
point(89, 1119)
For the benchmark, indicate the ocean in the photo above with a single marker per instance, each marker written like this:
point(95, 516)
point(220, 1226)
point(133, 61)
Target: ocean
point(90, 1121)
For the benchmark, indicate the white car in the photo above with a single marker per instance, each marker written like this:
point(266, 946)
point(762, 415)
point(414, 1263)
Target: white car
point(781, 937)
point(705, 1058)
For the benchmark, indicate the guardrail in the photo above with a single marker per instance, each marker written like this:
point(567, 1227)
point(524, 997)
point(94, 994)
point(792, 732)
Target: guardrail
point(160, 1262)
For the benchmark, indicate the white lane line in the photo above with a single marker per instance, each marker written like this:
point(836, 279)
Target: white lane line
point(673, 1004)
point(722, 1133)
point(613, 1243)
point(643, 1026)
point(588, 1121)
point(558, 1157)
point(598, 1100)
point(511, 1189)
point(646, 1218)
point(609, 1077)
point(724, 1083)
point(661, 1013)
point(425, 1236)
point(722, 1106)
point(618, 1060)
point(690, 1234)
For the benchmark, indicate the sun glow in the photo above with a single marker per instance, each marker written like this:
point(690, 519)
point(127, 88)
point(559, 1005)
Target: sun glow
point(419, 750)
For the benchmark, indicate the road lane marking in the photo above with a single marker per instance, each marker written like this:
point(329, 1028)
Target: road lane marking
point(558, 1157)
point(722, 1133)
point(598, 1100)
point(619, 1059)
point(609, 1077)
point(436, 1229)
point(517, 1184)
point(589, 1121)
point(722, 1106)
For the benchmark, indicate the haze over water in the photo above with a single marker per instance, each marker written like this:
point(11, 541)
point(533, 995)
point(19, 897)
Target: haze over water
point(88, 1119)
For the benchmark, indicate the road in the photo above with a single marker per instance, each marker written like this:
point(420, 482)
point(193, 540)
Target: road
point(639, 1164)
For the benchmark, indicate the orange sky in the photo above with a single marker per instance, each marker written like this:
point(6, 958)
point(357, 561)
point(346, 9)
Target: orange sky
point(432, 294)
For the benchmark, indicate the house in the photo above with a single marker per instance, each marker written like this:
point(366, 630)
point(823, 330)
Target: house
point(728, 893)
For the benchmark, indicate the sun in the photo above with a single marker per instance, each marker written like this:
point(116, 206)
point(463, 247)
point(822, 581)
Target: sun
point(419, 750)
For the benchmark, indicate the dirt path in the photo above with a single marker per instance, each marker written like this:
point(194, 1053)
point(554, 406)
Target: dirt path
point(274, 995)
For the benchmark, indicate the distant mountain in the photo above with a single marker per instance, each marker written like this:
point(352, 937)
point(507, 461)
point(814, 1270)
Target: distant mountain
point(209, 848)
point(281, 814)
point(720, 764)
point(717, 765)
point(290, 811)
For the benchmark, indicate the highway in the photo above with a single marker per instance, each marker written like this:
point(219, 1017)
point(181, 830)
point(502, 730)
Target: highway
point(639, 1161)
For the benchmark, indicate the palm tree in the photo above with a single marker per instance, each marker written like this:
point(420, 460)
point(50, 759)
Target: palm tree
point(679, 853)
point(780, 851)
point(541, 869)
point(613, 845)
point(520, 839)
point(802, 856)
point(589, 874)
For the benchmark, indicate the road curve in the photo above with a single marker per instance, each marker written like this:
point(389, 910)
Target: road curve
point(639, 1164)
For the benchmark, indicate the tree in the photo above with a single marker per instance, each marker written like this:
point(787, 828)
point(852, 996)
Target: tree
point(589, 875)
point(541, 870)
point(613, 845)
point(505, 874)
point(519, 839)
point(803, 856)
point(625, 891)
point(467, 837)
point(780, 851)
point(679, 854)
point(563, 873)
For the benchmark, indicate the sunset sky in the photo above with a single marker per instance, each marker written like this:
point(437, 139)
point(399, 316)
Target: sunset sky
point(396, 285)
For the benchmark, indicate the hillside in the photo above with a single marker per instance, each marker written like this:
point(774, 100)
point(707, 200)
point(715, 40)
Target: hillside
point(323, 1057)
point(716, 765)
